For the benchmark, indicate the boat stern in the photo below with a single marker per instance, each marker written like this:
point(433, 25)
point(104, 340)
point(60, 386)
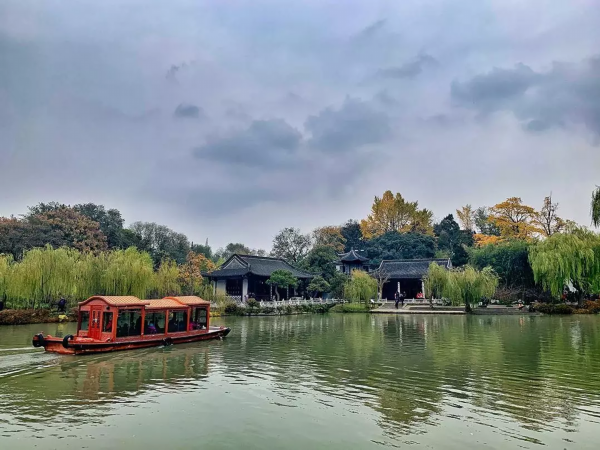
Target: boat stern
point(53, 344)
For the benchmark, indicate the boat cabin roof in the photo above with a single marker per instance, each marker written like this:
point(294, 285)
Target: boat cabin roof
point(126, 300)
point(164, 303)
point(190, 300)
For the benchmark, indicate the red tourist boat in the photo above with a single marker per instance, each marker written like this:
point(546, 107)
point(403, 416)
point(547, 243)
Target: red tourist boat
point(109, 324)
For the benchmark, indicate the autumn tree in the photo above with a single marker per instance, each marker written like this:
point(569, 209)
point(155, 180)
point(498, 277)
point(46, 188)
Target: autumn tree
point(110, 221)
point(19, 235)
point(161, 242)
point(190, 273)
point(75, 229)
point(329, 236)
point(547, 220)
point(466, 217)
point(291, 245)
point(514, 219)
point(483, 224)
point(394, 213)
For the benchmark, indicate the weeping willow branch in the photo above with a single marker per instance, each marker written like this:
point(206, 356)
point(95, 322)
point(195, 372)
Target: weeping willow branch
point(595, 207)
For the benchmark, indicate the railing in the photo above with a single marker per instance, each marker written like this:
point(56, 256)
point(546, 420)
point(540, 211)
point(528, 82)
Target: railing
point(418, 301)
point(290, 302)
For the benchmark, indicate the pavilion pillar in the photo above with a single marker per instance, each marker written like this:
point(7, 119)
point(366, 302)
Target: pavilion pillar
point(423, 288)
point(244, 288)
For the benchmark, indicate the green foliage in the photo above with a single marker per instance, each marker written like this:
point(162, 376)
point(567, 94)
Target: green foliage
point(564, 258)
point(291, 245)
point(595, 207)
point(548, 308)
point(352, 233)
point(483, 223)
point(110, 221)
point(451, 239)
point(361, 287)
point(318, 284)
point(337, 283)
point(467, 285)
point(161, 242)
point(282, 279)
point(350, 308)
point(167, 279)
point(509, 259)
point(320, 260)
point(394, 245)
point(253, 304)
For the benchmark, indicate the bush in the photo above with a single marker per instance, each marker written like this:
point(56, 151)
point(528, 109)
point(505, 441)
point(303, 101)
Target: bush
point(547, 308)
point(267, 310)
point(233, 309)
point(350, 308)
point(253, 303)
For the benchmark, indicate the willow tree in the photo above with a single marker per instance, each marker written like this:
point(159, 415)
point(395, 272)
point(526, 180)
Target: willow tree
point(596, 207)
point(167, 279)
point(467, 285)
point(361, 287)
point(6, 264)
point(435, 281)
point(471, 285)
point(128, 272)
point(567, 258)
point(43, 275)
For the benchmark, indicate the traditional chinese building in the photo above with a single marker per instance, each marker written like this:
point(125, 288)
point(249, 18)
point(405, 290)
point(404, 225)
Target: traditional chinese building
point(352, 261)
point(245, 276)
point(406, 275)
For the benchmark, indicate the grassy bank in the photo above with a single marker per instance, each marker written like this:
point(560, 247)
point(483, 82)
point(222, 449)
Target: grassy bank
point(350, 308)
point(27, 316)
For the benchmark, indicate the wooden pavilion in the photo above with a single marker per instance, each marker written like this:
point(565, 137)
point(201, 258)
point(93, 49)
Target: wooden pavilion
point(245, 276)
point(350, 261)
point(406, 275)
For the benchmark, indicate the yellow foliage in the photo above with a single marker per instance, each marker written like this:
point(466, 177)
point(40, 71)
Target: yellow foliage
point(481, 240)
point(466, 217)
point(514, 219)
point(330, 236)
point(393, 213)
point(190, 273)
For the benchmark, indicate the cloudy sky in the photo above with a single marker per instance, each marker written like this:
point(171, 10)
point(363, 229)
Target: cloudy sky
point(232, 119)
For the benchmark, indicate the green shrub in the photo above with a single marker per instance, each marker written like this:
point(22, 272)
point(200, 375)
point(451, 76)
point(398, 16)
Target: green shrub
point(350, 308)
point(233, 309)
point(253, 303)
point(548, 308)
point(267, 310)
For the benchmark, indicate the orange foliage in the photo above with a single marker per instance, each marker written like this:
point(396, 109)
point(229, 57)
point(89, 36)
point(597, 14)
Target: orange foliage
point(481, 240)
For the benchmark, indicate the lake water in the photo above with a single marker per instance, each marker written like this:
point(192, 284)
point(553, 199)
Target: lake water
point(317, 381)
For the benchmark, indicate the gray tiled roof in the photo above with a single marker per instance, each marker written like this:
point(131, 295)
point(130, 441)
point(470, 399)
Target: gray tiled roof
point(352, 256)
point(411, 268)
point(257, 265)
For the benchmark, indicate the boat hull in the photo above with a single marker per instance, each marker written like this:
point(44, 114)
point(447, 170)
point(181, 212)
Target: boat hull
point(70, 345)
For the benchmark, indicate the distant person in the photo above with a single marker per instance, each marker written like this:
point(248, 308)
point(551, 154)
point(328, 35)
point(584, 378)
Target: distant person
point(402, 297)
point(397, 299)
point(62, 305)
point(151, 328)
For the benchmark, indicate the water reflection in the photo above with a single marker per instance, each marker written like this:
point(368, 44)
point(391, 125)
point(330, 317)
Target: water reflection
point(526, 379)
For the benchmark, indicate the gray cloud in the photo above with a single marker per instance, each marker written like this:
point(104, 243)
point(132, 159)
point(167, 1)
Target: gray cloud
point(264, 142)
point(185, 110)
point(355, 124)
point(410, 69)
point(281, 82)
point(566, 94)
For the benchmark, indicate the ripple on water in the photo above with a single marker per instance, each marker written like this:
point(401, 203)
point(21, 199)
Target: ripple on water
point(360, 381)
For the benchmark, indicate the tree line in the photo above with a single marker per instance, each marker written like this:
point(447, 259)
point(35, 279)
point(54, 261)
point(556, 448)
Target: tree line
point(519, 243)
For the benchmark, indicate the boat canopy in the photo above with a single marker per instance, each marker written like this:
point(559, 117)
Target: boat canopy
point(126, 300)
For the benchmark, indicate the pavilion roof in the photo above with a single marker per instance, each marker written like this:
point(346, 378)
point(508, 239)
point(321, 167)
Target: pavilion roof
point(239, 265)
point(352, 256)
point(411, 268)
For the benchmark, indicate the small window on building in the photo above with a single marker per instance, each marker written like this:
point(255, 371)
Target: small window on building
point(129, 323)
point(84, 320)
point(177, 321)
point(199, 319)
point(155, 323)
point(107, 322)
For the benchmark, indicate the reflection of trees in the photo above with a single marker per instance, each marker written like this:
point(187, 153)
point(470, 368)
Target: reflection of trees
point(413, 370)
point(86, 386)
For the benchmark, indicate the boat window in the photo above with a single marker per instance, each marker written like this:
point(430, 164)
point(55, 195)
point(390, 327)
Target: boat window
point(107, 322)
point(129, 322)
point(155, 322)
point(177, 321)
point(84, 320)
point(199, 319)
